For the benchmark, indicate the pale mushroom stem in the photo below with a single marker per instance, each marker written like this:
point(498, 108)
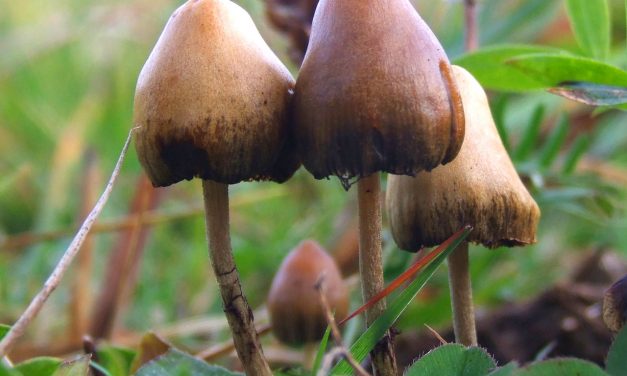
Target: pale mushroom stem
point(461, 296)
point(238, 312)
point(371, 266)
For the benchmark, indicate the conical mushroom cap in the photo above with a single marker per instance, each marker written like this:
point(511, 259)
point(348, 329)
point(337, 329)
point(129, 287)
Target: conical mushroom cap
point(296, 313)
point(480, 187)
point(371, 94)
point(211, 101)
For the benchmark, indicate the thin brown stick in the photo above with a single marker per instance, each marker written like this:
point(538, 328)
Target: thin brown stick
point(461, 296)
point(222, 349)
point(16, 242)
point(371, 267)
point(436, 335)
point(335, 331)
point(238, 312)
point(18, 329)
point(471, 35)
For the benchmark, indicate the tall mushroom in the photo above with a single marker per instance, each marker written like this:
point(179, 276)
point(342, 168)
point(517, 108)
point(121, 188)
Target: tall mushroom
point(374, 93)
point(211, 102)
point(480, 187)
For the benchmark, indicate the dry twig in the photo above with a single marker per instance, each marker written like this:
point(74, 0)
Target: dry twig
point(337, 337)
point(18, 329)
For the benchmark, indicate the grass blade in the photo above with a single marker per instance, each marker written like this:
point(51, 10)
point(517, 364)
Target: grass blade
point(368, 340)
point(531, 134)
point(321, 349)
point(590, 21)
point(554, 143)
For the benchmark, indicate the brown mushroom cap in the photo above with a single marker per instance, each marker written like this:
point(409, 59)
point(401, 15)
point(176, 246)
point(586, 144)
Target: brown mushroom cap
point(211, 101)
point(370, 95)
point(480, 187)
point(615, 305)
point(296, 313)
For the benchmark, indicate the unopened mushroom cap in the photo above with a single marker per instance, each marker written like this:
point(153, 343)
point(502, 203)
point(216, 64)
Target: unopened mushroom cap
point(296, 313)
point(211, 101)
point(371, 95)
point(480, 188)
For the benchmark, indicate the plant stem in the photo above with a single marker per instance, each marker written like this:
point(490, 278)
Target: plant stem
point(33, 309)
point(471, 35)
point(371, 267)
point(238, 312)
point(461, 296)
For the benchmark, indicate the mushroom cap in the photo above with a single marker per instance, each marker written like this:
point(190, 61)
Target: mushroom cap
point(296, 313)
point(211, 100)
point(615, 305)
point(371, 96)
point(480, 187)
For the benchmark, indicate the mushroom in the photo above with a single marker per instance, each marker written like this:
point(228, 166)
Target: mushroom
point(374, 93)
point(296, 313)
point(211, 102)
point(615, 305)
point(480, 188)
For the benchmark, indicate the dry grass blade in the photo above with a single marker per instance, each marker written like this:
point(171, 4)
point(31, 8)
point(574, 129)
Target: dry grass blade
point(18, 329)
point(335, 332)
point(222, 349)
point(149, 218)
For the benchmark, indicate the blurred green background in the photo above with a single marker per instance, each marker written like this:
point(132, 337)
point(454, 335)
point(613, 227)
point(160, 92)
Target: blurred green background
point(67, 77)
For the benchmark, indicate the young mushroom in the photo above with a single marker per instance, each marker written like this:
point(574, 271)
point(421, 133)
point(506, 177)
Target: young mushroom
point(615, 305)
point(211, 102)
point(296, 313)
point(480, 188)
point(374, 93)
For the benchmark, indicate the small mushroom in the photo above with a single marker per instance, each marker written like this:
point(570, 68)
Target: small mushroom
point(615, 305)
point(374, 93)
point(211, 102)
point(296, 313)
point(480, 188)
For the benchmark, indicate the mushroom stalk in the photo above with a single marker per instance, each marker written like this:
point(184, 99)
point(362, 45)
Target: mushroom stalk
point(371, 267)
point(461, 296)
point(238, 312)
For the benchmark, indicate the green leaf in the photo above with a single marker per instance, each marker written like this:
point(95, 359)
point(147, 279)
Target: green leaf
point(590, 20)
point(7, 371)
point(453, 360)
point(592, 94)
point(531, 135)
point(150, 347)
point(116, 360)
point(554, 143)
point(616, 363)
point(580, 146)
point(550, 69)
point(77, 367)
point(562, 367)
point(506, 370)
point(371, 336)
point(4, 329)
point(321, 350)
point(488, 66)
point(177, 363)
point(41, 366)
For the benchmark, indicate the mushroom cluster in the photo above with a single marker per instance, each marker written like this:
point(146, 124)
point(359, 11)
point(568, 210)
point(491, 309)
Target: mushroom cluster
point(375, 93)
